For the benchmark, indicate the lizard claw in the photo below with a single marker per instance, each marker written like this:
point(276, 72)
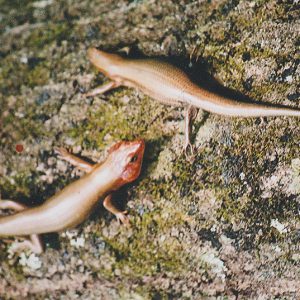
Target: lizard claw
point(60, 151)
point(189, 151)
point(18, 247)
point(123, 218)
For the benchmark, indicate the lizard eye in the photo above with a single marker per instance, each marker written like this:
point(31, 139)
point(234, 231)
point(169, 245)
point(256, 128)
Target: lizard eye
point(134, 159)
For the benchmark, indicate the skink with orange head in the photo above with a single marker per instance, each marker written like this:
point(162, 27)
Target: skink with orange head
point(73, 204)
point(168, 84)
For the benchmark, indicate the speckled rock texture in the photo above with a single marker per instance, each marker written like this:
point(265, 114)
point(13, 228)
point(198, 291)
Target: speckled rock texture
point(223, 225)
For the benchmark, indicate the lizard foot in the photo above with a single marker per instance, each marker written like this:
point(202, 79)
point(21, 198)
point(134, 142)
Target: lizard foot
point(122, 217)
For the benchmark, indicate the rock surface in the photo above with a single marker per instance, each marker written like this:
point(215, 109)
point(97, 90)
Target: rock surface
point(224, 225)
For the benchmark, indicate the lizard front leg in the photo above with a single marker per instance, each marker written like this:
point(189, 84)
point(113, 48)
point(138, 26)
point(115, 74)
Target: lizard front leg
point(87, 167)
point(120, 215)
point(103, 88)
point(74, 160)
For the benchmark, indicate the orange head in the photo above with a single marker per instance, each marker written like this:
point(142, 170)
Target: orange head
point(125, 160)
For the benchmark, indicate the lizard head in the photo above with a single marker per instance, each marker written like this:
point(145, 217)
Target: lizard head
point(103, 61)
point(125, 159)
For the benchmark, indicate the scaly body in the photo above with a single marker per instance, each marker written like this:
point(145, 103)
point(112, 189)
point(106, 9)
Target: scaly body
point(74, 203)
point(168, 84)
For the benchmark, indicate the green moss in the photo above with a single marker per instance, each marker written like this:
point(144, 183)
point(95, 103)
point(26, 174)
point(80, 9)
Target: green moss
point(41, 37)
point(256, 214)
point(20, 185)
point(233, 164)
point(15, 13)
point(14, 3)
point(38, 76)
point(111, 122)
point(12, 73)
point(160, 256)
point(242, 201)
point(29, 125)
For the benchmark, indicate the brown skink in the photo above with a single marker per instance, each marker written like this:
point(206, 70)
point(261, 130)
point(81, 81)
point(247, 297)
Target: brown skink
point(73, 204)
point(168, 84)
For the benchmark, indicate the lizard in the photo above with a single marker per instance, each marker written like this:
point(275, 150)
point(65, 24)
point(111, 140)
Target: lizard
point(170, 85)
point(72, 205)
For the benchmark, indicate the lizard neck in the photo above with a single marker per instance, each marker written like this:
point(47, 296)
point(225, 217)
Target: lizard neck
point(106, 177)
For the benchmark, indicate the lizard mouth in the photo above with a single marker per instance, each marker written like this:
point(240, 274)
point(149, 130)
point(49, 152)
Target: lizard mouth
point(133, 147)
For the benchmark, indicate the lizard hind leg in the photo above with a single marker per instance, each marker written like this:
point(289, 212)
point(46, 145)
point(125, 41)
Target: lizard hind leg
point(34, 242)
point(190, 115)
point(10, 204)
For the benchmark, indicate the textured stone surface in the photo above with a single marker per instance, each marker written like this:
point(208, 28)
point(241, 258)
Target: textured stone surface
point(224, 225)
